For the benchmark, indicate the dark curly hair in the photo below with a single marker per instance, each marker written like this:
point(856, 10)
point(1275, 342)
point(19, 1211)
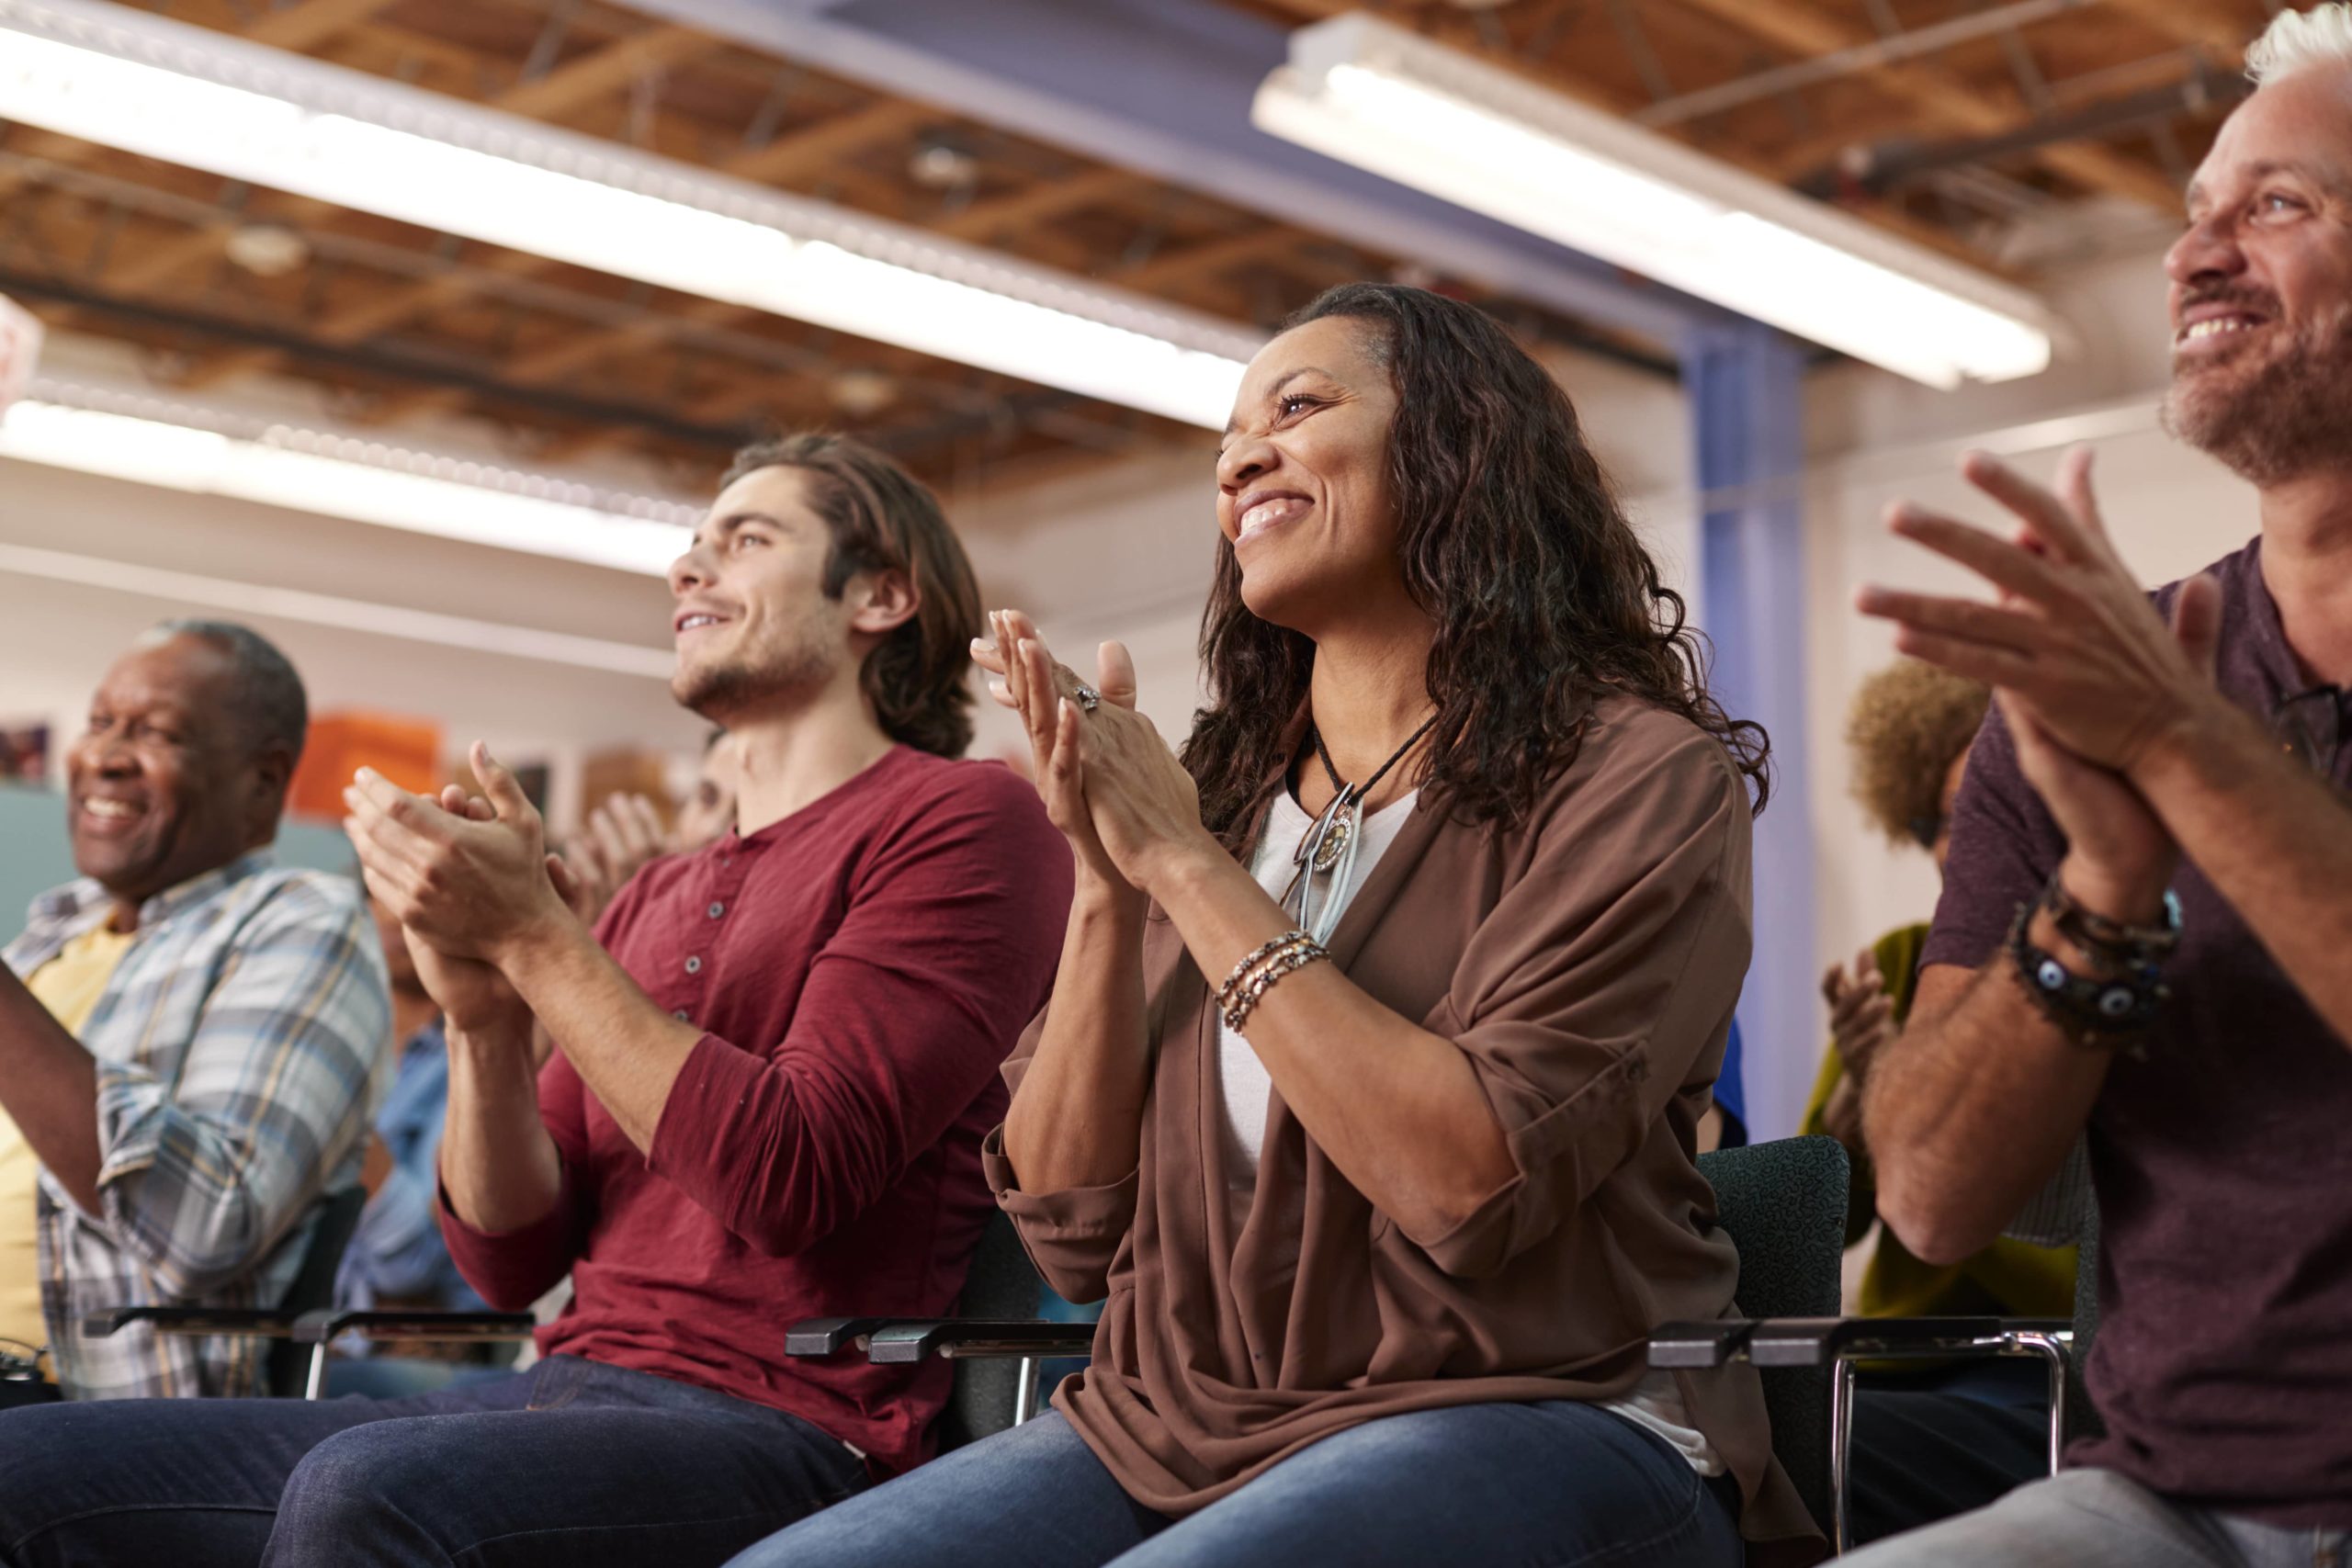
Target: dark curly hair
point(882, 519)
point(1512, 541)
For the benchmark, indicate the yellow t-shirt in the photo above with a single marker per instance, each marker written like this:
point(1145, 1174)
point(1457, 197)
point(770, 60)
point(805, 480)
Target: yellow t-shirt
point(69, 986)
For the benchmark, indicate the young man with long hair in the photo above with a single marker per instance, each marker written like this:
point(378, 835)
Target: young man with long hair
point(773, 1060)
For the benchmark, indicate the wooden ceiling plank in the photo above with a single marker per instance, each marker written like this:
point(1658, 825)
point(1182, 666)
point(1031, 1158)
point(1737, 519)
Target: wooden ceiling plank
point(2189, 22)
point(1798, 28)
point(803, 153)
point(307, 23)
point(605, 70)
point(1046, 199)
point(1207, 258)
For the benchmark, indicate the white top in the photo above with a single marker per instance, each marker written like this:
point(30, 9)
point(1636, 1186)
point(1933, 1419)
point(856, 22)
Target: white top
point(1654, 1403)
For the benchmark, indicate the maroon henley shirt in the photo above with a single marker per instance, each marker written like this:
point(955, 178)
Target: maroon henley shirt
point(860, 970)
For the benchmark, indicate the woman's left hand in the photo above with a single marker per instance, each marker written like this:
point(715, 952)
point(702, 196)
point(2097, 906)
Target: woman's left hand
point(1145, 806)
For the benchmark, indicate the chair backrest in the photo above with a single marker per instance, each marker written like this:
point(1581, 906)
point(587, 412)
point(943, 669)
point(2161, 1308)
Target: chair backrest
point(1001, 1283)
point(1783, 1205)
point(313, 1285)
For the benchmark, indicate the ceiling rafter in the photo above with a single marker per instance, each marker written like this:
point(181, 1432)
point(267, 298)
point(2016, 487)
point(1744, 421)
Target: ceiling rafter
point(1803, 31)
point(2191, 22)
point(307, 23)
point(1048, 199)
point(604, 70)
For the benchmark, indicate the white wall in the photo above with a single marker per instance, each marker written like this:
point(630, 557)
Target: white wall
point(56, 638)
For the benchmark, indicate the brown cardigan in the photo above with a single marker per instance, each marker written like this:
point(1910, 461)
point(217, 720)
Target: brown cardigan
point(1587, 962)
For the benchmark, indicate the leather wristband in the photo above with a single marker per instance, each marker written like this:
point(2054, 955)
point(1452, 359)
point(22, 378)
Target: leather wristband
point(2111, 1012)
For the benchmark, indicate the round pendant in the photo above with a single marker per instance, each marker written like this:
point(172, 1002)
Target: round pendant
point(1334, 841)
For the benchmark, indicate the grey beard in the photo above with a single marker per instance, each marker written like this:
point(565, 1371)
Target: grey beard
point(2290, 418)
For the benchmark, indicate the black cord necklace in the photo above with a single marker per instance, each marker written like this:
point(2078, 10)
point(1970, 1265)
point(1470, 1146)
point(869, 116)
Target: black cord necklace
point(1337, 829)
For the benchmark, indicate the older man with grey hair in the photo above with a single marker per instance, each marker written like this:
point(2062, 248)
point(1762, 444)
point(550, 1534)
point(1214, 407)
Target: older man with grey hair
point(2142, 934)
point(186, 1032)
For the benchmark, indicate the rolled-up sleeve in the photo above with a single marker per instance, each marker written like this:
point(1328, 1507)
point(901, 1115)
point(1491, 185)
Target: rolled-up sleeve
point(200, 1178)
point(1071, 1234)
point(1600, 984)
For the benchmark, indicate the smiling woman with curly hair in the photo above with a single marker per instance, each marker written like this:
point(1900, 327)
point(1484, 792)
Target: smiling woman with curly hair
point(1384, 1021)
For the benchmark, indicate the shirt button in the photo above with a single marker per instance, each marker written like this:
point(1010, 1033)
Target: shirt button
point(716, 910)
point(694, 964)
point(678, 1013)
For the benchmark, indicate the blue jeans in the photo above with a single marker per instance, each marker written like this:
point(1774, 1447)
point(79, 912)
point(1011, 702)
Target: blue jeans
point(1553, 1485)
point(571, 1462)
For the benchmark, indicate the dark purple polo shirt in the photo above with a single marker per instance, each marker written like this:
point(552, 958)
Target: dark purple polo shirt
point(2223, 1162)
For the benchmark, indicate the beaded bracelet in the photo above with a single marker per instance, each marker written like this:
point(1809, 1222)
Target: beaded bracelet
point(2110, 1013)
point(1241, 971)
point(2115, 944)
point(1289, 961)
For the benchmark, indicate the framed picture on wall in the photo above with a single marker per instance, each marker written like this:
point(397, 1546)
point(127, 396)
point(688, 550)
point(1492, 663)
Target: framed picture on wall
point(24, 754)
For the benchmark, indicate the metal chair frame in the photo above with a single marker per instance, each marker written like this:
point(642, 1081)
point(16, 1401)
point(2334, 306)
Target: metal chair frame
point(1839, 1342)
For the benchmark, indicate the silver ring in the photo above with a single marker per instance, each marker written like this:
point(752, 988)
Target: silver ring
point(1088, 697)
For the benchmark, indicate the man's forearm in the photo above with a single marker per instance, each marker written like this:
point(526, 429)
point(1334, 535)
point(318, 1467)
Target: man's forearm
point(626, 1049)
point(2273, 837)
point(497, 1161)
point(49, 1086)
point(1972, 1109)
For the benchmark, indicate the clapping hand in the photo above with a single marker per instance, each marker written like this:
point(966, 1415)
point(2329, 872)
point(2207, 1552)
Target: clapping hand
point(1862, 1015)
point(1109, 781)
point(2090, 679)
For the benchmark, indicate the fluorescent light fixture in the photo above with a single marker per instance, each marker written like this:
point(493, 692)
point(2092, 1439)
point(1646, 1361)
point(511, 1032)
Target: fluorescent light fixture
point(127, 79)
point(1376, 96)
point(343, 614)
point(147, 440)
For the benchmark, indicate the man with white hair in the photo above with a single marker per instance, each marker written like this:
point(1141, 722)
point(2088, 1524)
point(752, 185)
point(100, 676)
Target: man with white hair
point(2142, 940)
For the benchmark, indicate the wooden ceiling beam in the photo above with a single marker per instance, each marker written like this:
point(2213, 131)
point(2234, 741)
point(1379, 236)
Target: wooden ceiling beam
point(791, 159)
point(2189, 22)
point(1802, 30)
point(1208, 258)
point(604, 70)
point(307, 23)
point(1048, 199)
point(46, 145)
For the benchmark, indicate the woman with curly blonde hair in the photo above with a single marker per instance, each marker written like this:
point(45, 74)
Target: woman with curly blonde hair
point(1927, 1445)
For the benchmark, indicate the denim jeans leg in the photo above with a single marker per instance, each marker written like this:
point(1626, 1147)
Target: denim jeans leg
point(1031, 1498)
point(1561, 1484)
point(603, 1467)
point(193, 1483)
point(2083, 1518)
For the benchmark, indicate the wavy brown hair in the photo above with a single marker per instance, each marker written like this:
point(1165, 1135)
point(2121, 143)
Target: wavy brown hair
point(1512, 541)
point(882, 519)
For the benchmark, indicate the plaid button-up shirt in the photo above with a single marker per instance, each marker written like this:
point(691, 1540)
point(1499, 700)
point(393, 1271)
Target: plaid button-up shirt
point(235, 1045)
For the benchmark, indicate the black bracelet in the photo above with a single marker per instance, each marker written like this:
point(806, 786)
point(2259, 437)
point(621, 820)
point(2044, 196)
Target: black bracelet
point(2108, 1013)
point(2113, 943)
